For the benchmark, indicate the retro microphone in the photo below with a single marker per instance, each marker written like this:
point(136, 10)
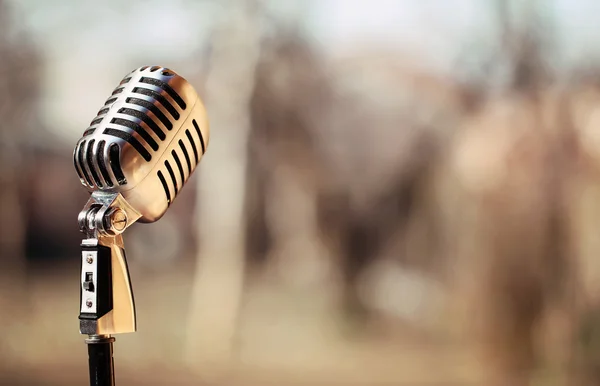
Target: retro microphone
point(134, 159)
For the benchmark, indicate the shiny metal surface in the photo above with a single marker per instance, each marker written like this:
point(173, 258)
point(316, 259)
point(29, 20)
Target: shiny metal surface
point(122, 318)
point(134, 159)
point(145, 141)
point(106, 215)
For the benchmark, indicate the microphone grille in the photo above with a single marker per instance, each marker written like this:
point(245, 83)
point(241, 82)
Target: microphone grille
point(99, 164)
point(179, 164)
point(144, 120)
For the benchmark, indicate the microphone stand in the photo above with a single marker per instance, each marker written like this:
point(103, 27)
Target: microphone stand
point(101, 363)
point(106, 297)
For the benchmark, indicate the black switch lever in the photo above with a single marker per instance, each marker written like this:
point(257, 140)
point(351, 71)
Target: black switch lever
point(88, 284)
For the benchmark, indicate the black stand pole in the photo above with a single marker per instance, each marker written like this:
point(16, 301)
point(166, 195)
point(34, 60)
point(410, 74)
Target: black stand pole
point(100, 351)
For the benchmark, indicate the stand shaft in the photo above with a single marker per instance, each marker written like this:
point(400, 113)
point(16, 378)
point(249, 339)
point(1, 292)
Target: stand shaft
point(100, 351)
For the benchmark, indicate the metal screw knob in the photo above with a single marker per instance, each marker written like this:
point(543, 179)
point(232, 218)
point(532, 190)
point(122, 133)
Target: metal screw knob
point(89, 259)
point(89, 303)
point(118, 220)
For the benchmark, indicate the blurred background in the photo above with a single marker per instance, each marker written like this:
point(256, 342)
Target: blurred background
point(395, 192)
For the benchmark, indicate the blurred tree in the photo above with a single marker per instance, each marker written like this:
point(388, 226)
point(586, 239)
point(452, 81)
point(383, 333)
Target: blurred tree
point(518, 243)
point(221, 189)
point(384, 132)
point(288, 108)
point(526, 45)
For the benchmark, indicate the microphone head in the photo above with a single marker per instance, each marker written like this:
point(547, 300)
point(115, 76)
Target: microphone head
point(145, 142)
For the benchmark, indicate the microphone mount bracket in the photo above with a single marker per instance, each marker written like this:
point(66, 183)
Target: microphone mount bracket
point(106, 214)
point(106, 296)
